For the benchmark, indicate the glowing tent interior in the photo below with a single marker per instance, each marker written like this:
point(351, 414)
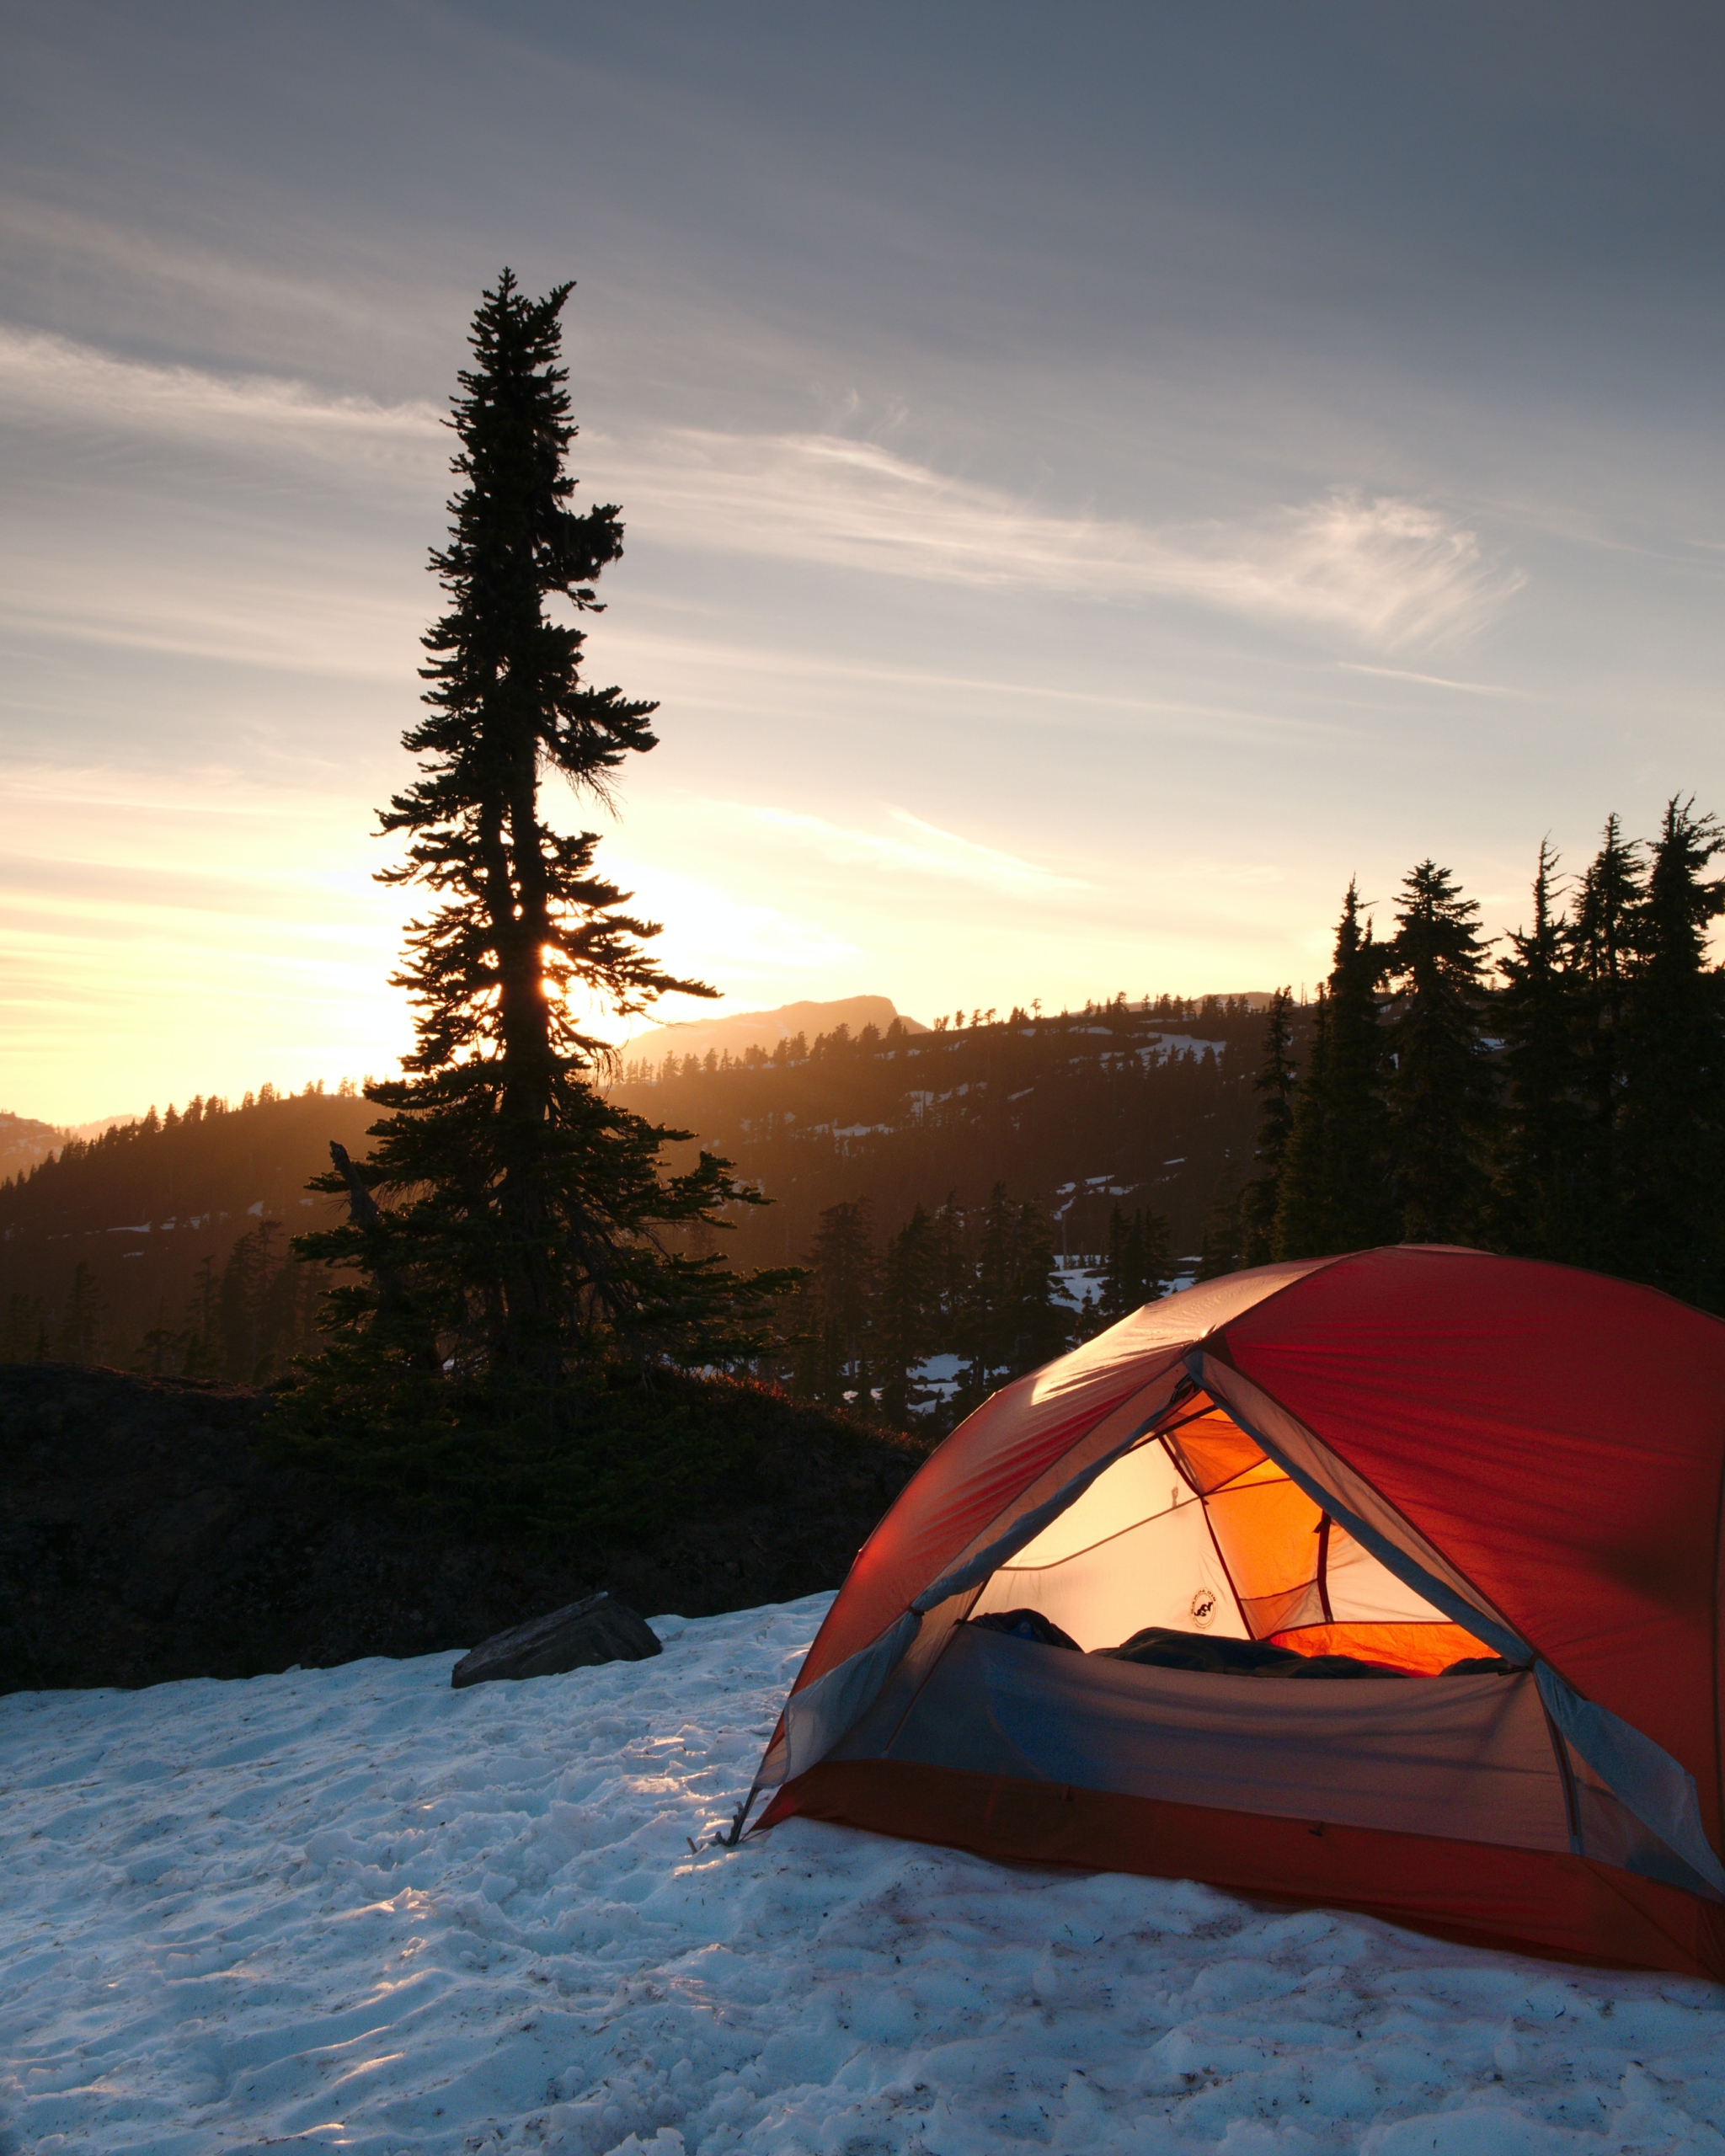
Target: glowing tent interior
point(1390, 1581)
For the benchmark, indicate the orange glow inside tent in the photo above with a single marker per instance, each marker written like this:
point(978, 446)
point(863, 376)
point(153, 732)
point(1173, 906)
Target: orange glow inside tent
point(1237, 1549)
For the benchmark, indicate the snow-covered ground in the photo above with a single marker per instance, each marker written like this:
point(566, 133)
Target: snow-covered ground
point(355, 1909)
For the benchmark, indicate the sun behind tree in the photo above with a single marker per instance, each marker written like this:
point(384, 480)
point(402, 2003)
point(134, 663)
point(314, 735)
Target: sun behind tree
point(530, 1240)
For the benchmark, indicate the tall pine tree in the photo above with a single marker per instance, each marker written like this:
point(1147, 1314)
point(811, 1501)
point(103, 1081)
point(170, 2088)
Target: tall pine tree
point(1536, 1193)
point(1276, 1085)
point(908, 1325)
point(522, 1240)
point(1138, 1264)
point(834, 1312)
point(1441, 1088)
point(1334, 1192)
point(1010, 1322)
point(1604, 938)
point(1673, 1144)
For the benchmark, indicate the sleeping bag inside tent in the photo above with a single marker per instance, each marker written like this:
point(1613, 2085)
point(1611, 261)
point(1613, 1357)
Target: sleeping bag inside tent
point(1389, 1580)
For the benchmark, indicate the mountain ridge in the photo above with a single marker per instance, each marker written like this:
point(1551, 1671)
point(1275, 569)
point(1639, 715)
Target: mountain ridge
point(737, 1031)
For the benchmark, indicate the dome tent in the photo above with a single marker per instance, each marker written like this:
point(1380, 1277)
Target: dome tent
point(1384, 1465)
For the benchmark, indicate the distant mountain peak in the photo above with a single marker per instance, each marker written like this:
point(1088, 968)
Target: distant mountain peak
point(738, 1031)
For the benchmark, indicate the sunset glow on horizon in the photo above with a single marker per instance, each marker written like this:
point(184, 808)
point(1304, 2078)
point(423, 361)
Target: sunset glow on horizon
point(1087, 496)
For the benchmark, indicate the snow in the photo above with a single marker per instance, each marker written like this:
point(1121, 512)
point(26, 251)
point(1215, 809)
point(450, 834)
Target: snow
point(355, 1909)
point(1161, 1046)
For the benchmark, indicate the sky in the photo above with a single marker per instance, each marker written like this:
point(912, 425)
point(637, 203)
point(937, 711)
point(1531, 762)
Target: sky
point(1095, 480)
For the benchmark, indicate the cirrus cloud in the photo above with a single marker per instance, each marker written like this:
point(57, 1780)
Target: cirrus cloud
point(1381, 571)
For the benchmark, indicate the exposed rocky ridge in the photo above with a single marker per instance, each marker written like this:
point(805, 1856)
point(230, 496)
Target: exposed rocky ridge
point(145, 1534)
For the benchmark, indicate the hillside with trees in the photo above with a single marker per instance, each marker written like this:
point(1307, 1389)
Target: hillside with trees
point(1569, 1105)
point(180, 1223)
point(1151, 1100)
point(162, 1245)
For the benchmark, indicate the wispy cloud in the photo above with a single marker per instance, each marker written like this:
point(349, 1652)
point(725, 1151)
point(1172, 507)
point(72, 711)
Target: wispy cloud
point(1379, 569)
point(1431, 680)
point(930, 852)
point(44, 376)
point(193, 605)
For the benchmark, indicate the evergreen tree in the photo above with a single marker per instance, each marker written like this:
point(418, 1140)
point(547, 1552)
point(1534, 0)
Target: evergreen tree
point(161, 1351)
point(1275, 1082)
point(1360, 1198)
point(526, 1236)
point(1139, 1263)
point(1440, 1089)
point(26, 1336)
point(1012, 1323)
point(82, 1320)
point(953, 1269)
point(202, 1351)
point(836, 1309)
point(1221, 1246)
point(1302, 1227)
point(1542, 1137)
point(1333, 1190)
point(1673, 1141)
point(1605, 938)
point(907, 1326)
point(241, 1301)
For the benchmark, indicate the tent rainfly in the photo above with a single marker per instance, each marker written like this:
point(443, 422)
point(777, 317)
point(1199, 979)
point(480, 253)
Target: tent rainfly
point(1473, 1503)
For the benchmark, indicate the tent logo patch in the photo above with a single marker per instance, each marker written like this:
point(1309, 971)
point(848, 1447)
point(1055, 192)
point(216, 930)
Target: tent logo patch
point(1203, 1606)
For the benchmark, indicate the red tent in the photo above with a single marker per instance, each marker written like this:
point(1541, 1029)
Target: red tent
point(1474, 1502)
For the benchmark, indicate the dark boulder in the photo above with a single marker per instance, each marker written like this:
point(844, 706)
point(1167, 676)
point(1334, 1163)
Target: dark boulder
point(599, 1628)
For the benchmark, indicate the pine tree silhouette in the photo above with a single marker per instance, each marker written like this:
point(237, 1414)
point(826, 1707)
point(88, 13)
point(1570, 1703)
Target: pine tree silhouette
point(1275, 1082)
point(81, 1320)
point(834, 1311)
point(1536, 1206)
point(527, 1232)
point(1010, 1322)
point(1673, 1149)
point(908, 1324)
point(1302, 1227)
point(1138, 1266)
point(1333, 1190)
point(1605, 938)
point(1440, 1085)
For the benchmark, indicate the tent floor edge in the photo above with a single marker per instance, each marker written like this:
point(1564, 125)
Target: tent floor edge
point(1548, 1903)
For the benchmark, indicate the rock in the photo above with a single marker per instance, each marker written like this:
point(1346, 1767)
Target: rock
point(575, 1637)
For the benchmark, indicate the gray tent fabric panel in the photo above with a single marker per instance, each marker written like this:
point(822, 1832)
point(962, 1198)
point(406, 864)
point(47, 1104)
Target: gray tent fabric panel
point(1610, 1834)
point(1467, 1758)
point(817, 1717)
point(1642, 1776)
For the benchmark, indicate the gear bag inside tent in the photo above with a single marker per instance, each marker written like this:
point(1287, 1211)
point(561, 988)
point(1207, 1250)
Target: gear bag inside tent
point(1386, 1581)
